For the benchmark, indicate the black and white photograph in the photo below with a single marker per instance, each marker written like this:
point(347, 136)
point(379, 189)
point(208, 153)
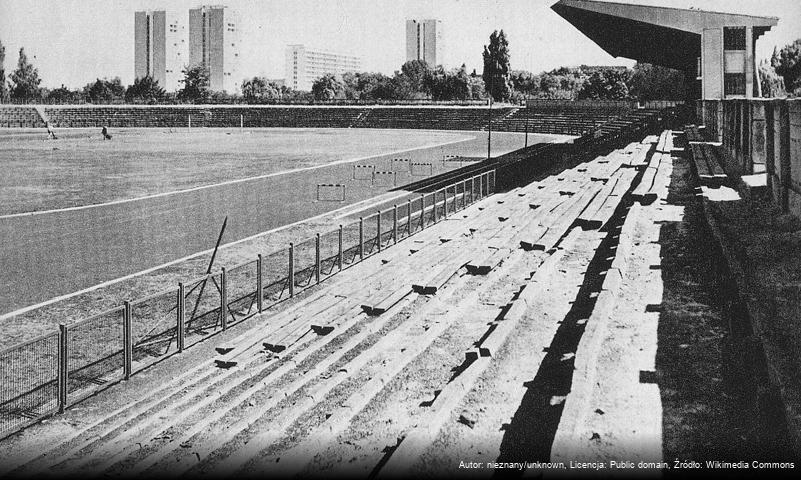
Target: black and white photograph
point(388, 239)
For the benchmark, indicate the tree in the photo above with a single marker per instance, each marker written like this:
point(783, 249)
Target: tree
point(64, 95)
point(104, 91)
point(459, 84)
point(496, 66)
point(477, 90)
point(788, 64)
point(415, 72)
point(772, 84)
point(605, 85)
point(451, 85)
point(25, 80)
point(252, 88)
point(258, 89)
point(144, 90)
point(196, 84)
point(367, 86)
point(328, 87)
point(3, 90)
point(653, 82)
point(525, 82)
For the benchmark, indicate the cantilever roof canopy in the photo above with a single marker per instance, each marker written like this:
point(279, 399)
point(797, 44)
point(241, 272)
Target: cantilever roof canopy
point(670, 37)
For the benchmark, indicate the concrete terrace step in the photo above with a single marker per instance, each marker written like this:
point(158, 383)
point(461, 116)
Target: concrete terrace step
point(291, 358)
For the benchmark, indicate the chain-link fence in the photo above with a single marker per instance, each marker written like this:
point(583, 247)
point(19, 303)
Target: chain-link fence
point(30, 387)
point(94, 353)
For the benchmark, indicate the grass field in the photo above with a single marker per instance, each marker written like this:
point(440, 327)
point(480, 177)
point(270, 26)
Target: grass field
point(81, 169)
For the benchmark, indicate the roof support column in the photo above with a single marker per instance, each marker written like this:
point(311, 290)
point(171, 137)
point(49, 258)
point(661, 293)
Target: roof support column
point(750, 67)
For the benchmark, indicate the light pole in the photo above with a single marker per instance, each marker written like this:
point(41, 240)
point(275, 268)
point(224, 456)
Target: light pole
point(489, 111)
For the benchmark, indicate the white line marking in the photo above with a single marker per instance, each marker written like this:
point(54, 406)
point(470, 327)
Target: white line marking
point(374, 200)
point(231, 182)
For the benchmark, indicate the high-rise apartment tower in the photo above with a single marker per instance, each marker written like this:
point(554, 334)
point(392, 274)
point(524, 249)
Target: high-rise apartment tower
point(160, 49)
point(424, 41)
point(214, 41)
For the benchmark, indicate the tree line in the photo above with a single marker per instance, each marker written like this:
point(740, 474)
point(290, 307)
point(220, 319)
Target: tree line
point(415, 80)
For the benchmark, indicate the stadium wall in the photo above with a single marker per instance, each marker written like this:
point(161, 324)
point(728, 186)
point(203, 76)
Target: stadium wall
point(760, 132)
point(550, 117)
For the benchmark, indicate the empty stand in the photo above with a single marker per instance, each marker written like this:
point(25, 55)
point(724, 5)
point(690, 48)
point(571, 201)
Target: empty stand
point(20, 117)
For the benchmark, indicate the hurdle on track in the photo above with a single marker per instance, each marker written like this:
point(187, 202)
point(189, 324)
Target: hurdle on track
point(330, 192)
point(363, 172)
point(421, 169)
point(385, 178)
point(404, 164)
point(453, 158)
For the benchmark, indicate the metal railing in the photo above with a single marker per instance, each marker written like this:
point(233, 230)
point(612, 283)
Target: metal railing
point(49, 373)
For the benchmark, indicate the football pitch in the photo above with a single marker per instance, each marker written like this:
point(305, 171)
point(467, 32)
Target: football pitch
point(79, 168)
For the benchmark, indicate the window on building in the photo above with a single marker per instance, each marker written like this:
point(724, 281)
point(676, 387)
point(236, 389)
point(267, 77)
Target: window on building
point(734, 58)
point(734, 84)
point(734, 38)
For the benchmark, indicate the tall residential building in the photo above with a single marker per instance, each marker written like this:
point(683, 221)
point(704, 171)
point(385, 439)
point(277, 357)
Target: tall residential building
point(160, 47)
point(214, 41)
point(424, 41)
point(304, 66)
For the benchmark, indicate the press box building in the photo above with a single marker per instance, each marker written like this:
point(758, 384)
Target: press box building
point(714, 49)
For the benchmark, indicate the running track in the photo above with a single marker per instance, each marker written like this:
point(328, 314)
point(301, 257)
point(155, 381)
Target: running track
point(57, 253)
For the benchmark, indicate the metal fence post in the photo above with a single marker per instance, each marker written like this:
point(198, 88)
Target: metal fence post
point(422, 211)
point(291, 269)
point(317, 258)
point(378, 229)
point(434, 206)
point(409, 217)
point(339, 258)
point(180, 317)
point(223, 299)
point(127, 338)
point(395, 224)
point(62, 368)
point(259, 284)
point(361, 238)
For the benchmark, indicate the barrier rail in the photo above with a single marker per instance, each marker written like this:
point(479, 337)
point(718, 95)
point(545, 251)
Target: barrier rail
point(49, 373)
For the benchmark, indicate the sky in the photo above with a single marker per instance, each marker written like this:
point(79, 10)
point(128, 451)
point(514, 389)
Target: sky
point(72, 42)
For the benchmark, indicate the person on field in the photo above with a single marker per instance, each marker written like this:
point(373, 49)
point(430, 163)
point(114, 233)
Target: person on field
point(50, 133)
point(106, 136)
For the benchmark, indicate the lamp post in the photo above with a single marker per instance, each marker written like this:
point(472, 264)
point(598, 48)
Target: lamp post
point(489, 111)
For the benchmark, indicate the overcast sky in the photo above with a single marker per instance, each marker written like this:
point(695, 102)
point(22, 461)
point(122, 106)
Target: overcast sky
point(75, 41)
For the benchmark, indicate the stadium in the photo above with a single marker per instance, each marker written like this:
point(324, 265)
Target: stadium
point(424, 287)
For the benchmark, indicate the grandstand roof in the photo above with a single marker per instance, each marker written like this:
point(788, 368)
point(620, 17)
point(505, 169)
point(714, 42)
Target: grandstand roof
point(661, 35)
